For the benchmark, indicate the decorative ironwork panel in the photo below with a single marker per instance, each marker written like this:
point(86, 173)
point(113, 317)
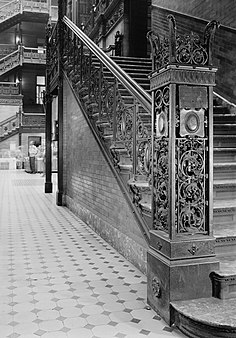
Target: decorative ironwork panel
point(191, 180)
point(144, 151)
point(191, 161)
point(33, 120)
point(189, 50)
point(185, 49)
point(160, 185)
point(124, 122)
point(160, 160)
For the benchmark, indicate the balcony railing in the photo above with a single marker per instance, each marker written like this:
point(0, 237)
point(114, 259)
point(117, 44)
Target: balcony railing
point(9, 125)
point(34, 55)
point(20, 56)
point(9, 62)
point(24, 120)
point(19, 6)
point(32, 120)
point(9, 88)
point(96, 12)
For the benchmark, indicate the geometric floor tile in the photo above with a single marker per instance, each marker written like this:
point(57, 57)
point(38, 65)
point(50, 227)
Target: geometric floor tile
point(59, 279)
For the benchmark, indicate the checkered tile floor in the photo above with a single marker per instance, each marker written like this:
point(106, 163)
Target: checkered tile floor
point(58, 279)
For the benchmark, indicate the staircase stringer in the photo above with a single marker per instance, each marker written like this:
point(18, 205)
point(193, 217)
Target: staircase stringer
point(107, 155)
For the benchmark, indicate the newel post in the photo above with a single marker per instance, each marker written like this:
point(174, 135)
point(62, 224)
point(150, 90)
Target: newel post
point(182, 252)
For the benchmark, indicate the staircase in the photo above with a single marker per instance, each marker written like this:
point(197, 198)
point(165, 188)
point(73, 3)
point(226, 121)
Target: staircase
point(224, 157)
point(137, 180)
point(224, 160)
point(9, 127)
point(136, 174)
point(224, 178)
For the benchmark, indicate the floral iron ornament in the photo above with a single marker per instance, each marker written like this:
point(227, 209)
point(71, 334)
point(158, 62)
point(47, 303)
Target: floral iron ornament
point(187, 49)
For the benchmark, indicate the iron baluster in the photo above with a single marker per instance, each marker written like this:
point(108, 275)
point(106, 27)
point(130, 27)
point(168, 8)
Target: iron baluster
point(135, 115)
point(100, 92)
point(89, 74)
point(115, 88)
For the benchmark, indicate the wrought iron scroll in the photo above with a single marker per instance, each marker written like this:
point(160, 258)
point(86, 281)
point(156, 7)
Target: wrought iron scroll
point(160, 160)
point(187, 49)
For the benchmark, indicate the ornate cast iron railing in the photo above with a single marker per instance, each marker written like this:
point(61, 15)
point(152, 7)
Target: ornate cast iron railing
point(121, 121)
point(105, 15)
point(22, 55)
point(33, 55)
point(20, 119)
point(9, 62)
point(9, 88)
point(187, 49)
point(32, 120)
point(117, 106)
point(9, 125)
point(18, 6)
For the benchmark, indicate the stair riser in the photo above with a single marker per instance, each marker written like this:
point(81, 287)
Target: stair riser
point(224, 174)
point(224, 142)
point(224, 130)
point(223, 157)
point(224, 193)
point(225, 246)
point(224, 119)
point(224, 217)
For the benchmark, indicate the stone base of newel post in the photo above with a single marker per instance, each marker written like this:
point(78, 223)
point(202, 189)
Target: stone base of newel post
point(178, 270)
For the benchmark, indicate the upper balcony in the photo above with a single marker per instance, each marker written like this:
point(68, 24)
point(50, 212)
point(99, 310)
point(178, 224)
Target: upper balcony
point(21, 56)
point(109, 12)
point(16, 11)
point(10, 94)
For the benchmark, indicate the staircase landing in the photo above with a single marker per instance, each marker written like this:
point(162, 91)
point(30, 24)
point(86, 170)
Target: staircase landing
point(211, 317)
point(206, 317)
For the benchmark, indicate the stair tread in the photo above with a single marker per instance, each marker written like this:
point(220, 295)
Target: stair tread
point(224, 231)
point(213, 312)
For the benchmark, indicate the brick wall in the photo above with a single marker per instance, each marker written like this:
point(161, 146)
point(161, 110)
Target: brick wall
point(221, 10)
point(224, 49)
point(91, 189)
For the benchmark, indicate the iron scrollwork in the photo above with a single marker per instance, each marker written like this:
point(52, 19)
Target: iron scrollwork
point(185, 49)
point(191, 186)
point(160, 160)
